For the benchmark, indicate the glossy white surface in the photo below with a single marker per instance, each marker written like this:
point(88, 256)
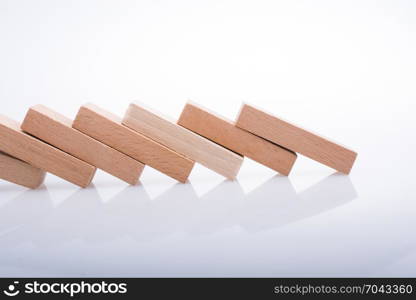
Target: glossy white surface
point(344, 70)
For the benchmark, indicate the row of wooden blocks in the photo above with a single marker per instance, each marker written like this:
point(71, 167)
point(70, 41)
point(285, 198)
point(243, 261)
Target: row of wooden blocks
point(47, 141)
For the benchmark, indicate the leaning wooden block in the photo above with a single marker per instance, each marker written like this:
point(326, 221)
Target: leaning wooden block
point(182, 140)
point(15, 142)
point(296, 138)
point(224, 132)
point(107, 128)
point(56, 130)
point(20, 172)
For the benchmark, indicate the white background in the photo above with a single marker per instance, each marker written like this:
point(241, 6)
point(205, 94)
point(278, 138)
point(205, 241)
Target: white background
point(345, 69)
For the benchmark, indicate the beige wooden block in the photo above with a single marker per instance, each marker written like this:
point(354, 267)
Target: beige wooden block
point(296, 138)
point(107, 128)
point(182, 140)
point(15, 142)
point(56, 130)
point(20, 172)
point(224, 132)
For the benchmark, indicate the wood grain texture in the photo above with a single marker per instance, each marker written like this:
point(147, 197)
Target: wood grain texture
point(224, 132)
point(182, 140)
point(107, 128)
point(19, 172)
point(296, 138)
point(56, 130)
point(15, 142)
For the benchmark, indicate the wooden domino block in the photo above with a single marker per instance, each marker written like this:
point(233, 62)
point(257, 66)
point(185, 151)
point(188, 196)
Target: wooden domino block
point(182, 140)
point(56, 130)
point(15, 142)
point(20, 172)
point(224, 132)
point(296, 138)
point(107, 128)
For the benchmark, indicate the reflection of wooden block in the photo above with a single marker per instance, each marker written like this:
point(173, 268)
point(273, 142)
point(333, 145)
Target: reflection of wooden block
point(41, 155)
point(56, 130)
point(182, 140)
point(296, 138)
point(19, 172)
point(107, 128)
point(225, 133)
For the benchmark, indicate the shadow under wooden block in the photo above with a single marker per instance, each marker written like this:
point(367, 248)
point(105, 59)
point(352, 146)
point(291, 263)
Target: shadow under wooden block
point(184, 141)
point(224, 132)
point(15, 142)
point(296, 138)
point(19, 172)
point(56, 130)
point(108, 129)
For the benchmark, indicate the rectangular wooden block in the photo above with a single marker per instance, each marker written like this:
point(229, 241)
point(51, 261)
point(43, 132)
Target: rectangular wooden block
point(107, 128)
point(224, 132)
point(182, 140)
point(15, 142)
point(56, 130)
point(296, 138)
point(20, 172)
